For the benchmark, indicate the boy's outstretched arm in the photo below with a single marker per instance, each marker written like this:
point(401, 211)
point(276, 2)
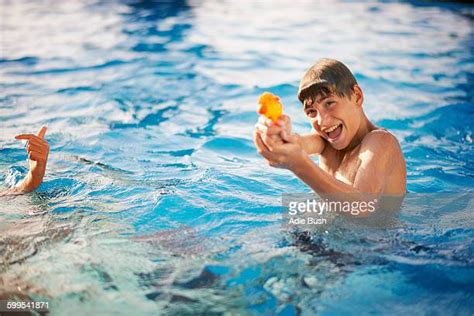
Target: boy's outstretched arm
point(38, 149)
point(376, 162)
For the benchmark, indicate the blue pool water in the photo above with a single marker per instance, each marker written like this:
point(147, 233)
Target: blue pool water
point(155, 200)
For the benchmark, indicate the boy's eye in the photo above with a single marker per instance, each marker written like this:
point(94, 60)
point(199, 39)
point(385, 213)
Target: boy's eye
point(330, 103)
point(311, 113)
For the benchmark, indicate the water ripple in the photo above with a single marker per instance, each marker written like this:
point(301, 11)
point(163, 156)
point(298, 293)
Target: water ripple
point(155, 197)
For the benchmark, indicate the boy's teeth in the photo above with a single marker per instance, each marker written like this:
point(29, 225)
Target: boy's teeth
point(329, 130)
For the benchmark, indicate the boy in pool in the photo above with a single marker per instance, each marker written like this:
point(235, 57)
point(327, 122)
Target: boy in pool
point(355, 156)
point(38, 149)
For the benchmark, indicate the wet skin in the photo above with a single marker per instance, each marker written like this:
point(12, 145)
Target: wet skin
point(355, 155)
point(37, 149)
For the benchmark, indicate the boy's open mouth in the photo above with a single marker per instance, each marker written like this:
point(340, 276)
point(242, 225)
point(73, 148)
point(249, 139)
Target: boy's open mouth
point(333, 132)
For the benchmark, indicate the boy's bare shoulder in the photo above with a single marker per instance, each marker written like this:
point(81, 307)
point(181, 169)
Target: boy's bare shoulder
point(380, 141)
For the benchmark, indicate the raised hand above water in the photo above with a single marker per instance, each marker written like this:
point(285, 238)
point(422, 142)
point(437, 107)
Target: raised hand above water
point(38, 149)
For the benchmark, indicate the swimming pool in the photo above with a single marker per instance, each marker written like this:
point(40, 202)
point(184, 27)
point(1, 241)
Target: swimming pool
point(155, 200)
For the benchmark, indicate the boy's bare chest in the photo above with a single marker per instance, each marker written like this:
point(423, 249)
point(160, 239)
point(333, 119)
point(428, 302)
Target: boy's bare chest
point(343, 168)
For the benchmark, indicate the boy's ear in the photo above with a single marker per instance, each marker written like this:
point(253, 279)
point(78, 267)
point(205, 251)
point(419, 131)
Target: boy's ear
point(359, 96)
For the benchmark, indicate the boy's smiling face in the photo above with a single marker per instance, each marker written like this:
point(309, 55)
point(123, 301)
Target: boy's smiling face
point(335, 118)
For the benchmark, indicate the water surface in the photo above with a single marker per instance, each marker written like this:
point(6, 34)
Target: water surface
point(155, 200)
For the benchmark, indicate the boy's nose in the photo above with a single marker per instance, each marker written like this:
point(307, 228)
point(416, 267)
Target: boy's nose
point(321, 119)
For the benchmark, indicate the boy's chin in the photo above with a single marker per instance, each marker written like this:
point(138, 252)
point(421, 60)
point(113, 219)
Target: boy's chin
point(339, 145)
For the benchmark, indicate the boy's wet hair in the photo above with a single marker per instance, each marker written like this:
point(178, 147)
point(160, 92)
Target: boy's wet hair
point(326, 77)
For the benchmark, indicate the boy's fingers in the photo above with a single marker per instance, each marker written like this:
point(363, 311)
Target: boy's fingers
point(268, 141)
point(41, 151)
point(272, 130)
point(32, 146)
point(269, 130)
point(25, 136)
point(35, 152)
point(39, 136)
point(37, 156)
point(32, 139)
point(39, 141)
point(264, 151)
point(34, 156)
point(261, 147)
point(284, 121)
point(42, 132)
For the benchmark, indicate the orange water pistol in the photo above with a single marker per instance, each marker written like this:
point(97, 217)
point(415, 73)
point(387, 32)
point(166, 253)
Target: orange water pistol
point(270, 106)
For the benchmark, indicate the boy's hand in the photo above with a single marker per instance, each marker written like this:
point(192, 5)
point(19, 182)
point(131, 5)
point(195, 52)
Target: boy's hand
point(38, 149)
point(278, 132)
point(279, 147)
